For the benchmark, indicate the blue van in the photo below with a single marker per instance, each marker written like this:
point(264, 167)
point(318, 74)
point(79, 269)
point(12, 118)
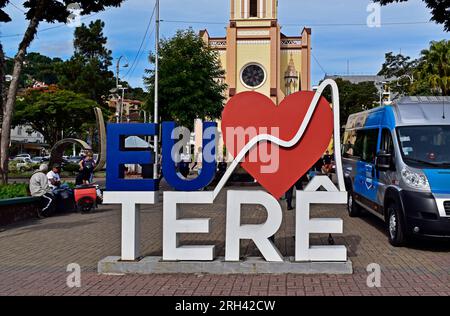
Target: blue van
point(396, 163)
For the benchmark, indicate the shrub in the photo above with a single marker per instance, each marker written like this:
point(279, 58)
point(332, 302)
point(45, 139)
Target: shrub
point(13, 191)
point(71, 167)
point(12, 166)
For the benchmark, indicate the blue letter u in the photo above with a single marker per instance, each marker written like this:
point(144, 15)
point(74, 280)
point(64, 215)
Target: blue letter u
point(169, 165)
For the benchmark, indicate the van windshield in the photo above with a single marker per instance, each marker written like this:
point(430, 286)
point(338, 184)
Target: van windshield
point(425, 146)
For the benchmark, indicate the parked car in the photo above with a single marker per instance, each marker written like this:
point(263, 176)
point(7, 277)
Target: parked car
point(23, 163)
point(397, 166)
point(37, 160)
point(23, 156)
point(74, 159)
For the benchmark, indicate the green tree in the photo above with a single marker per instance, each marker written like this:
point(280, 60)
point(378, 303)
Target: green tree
point(402, 68)
point(440, 10)
point(188, 85)
point(4, 17)
point(434, 67)
point(354, 98)
point(42, 68)
point(55, 113)
point(136, 94)
point(87, 71)
point(36, 12)
point(90, 43)
point(37, 67)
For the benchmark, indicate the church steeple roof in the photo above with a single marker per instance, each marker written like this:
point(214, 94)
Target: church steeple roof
point(291, 72)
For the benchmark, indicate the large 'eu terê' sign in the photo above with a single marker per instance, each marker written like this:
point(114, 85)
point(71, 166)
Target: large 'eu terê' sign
point(277, 145)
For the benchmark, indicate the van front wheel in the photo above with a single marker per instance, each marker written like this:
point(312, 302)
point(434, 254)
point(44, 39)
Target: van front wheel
point(395, 226)
point(352, 207)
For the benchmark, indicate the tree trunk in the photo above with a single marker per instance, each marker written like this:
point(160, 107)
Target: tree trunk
point(2, 93)
point(2, 80)
point(10, 103)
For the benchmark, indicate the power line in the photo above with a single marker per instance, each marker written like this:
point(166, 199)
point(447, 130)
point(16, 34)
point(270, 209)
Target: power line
point(361, 24)
point(143, 51)
point(193, 22)
point(48, 28)
point(225, 23)
point(142, 42)
point(17, 7)
point(317, 61)
point(298, 25)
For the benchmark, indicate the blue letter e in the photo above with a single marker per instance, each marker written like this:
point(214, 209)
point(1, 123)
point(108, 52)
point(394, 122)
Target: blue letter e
point(117, 156)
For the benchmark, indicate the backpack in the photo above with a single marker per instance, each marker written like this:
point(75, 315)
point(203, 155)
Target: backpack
point(89, 164)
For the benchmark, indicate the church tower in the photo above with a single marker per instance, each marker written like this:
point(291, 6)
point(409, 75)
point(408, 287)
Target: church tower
point(261, 9)
point(257, 56)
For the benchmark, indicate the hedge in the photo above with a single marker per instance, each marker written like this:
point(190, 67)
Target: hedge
point(11, 191)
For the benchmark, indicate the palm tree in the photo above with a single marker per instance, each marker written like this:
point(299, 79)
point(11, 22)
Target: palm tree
point(434, 66)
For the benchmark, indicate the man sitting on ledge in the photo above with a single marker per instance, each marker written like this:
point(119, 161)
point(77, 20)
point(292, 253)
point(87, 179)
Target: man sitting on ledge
point(39, 187)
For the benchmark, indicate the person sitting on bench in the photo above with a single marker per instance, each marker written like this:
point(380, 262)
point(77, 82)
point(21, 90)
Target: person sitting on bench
point(39, 187)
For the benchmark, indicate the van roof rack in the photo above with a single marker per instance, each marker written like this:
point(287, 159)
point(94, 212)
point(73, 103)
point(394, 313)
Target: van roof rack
point(423, 99)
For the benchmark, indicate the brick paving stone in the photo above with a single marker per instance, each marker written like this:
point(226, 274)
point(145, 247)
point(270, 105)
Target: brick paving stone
point(35, 255)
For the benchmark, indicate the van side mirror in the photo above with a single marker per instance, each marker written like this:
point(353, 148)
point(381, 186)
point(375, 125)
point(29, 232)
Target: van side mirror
point(384, 161)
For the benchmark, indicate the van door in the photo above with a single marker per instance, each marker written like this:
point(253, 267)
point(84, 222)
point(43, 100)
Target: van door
point(366, 182)
point(385, 178)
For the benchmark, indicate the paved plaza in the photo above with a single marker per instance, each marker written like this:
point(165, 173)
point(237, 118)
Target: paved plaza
point(35, 255)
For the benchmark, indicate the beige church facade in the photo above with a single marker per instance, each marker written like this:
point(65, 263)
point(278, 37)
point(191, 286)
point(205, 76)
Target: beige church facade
point(257, 56)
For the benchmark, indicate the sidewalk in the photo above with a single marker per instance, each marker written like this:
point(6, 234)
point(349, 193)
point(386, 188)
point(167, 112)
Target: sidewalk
point(35, 255)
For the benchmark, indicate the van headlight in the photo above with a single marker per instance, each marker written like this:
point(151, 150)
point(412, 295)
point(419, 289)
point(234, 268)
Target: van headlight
point(416, 180)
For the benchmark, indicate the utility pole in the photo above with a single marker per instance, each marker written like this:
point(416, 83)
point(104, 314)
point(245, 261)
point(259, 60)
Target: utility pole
point(156, 118)
point(121, 103)
point(118, 71)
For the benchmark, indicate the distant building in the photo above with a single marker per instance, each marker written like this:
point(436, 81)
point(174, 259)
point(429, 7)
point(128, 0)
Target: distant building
point(25, 140)
point(131, 112)
point(380, 82)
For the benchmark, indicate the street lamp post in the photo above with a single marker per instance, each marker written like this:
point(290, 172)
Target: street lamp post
point(382, 84)
point(118, 87)
point(121, 102)
point(410, 77)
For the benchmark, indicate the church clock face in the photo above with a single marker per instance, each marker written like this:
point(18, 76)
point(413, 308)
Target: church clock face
point(253, 76)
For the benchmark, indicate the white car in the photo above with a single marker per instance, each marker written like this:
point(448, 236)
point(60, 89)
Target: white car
point(23, 163)
point(37, 159)
point(27, 156)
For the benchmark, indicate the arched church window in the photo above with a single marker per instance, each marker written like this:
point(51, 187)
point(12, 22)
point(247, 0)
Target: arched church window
point(253, 8)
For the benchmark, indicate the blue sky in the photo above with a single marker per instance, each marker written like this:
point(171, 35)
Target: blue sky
point(333, 45)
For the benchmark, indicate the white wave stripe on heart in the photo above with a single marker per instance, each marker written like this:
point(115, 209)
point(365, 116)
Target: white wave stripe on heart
point(294, 141)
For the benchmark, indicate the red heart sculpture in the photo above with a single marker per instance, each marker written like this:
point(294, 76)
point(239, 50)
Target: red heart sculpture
point(250, 110)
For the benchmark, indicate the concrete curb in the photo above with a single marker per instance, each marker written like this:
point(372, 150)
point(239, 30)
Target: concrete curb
point(155, 265)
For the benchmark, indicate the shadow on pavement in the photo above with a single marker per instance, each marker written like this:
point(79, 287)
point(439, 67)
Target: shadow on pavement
point(417, 243)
